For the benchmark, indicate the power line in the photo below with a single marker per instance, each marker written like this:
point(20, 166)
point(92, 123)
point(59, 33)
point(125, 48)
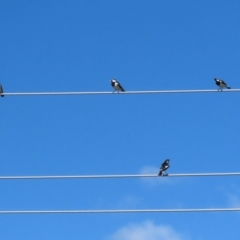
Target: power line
point(120, 176)
point(120, 211)
point(128, 92)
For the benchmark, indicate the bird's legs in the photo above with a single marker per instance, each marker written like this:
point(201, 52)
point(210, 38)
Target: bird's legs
point(116, 91)
point(165, 174)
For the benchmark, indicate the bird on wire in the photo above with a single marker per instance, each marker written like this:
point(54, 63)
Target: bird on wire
point(221, 84)
point(1, 91)
point(165, 165)
point(117, 86)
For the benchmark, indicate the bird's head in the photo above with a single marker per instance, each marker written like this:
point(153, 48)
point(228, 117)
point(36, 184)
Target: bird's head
point(113, 80)
point(216, 80)
point(167, 160)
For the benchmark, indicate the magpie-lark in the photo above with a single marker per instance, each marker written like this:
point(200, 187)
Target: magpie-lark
point(117, 86)
point(1, 91)
point(221, 84)
point(165, 165)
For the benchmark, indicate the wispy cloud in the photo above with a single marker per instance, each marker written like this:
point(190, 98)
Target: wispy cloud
point(234, 201)
point(154, 181)
point(129, 201)
point(232, 192)
point(146, 231)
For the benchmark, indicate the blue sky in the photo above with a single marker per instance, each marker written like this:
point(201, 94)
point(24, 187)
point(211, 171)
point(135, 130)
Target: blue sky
point(146, 45)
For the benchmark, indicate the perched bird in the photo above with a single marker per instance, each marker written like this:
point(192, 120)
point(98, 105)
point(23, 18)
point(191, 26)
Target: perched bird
point(221, 84)
point(165, 165)
point(1, 91)
point(117, 86)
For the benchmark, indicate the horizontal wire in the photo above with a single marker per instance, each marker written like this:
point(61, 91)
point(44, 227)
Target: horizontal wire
point(120, 176)
point(128, 92)
point(120, 211)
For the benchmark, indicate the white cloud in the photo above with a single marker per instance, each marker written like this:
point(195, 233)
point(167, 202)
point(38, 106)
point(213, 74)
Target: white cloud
point(146, 231)
point(232, 192)
point(153, 181)
point(149, 170)
point(234, 201)
point(129, 201)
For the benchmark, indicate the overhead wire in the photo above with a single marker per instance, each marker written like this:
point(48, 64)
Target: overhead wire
point(190, 210)
point(119, 176)
point(124, 93)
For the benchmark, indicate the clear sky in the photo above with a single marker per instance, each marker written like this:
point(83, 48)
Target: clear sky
point(146, 45)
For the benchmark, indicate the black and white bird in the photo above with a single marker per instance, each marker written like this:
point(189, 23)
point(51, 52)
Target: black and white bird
point(1, 91)
point(165, 165)
point(117, 86)
point(221, 84)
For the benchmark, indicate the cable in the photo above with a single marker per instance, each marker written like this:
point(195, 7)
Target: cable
point(121, 211)
point(128, 92)
point(120, 176)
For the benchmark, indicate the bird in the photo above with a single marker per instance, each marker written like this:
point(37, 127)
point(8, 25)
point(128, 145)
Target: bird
point(117, 86)
point(1, 91)
point(221, 84)
point(165, 165)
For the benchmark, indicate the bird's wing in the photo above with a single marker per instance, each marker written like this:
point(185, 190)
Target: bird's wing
point(222, 82)
point(121, 88)
point(1, 91)
point(164, 163)
point(164, 168)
